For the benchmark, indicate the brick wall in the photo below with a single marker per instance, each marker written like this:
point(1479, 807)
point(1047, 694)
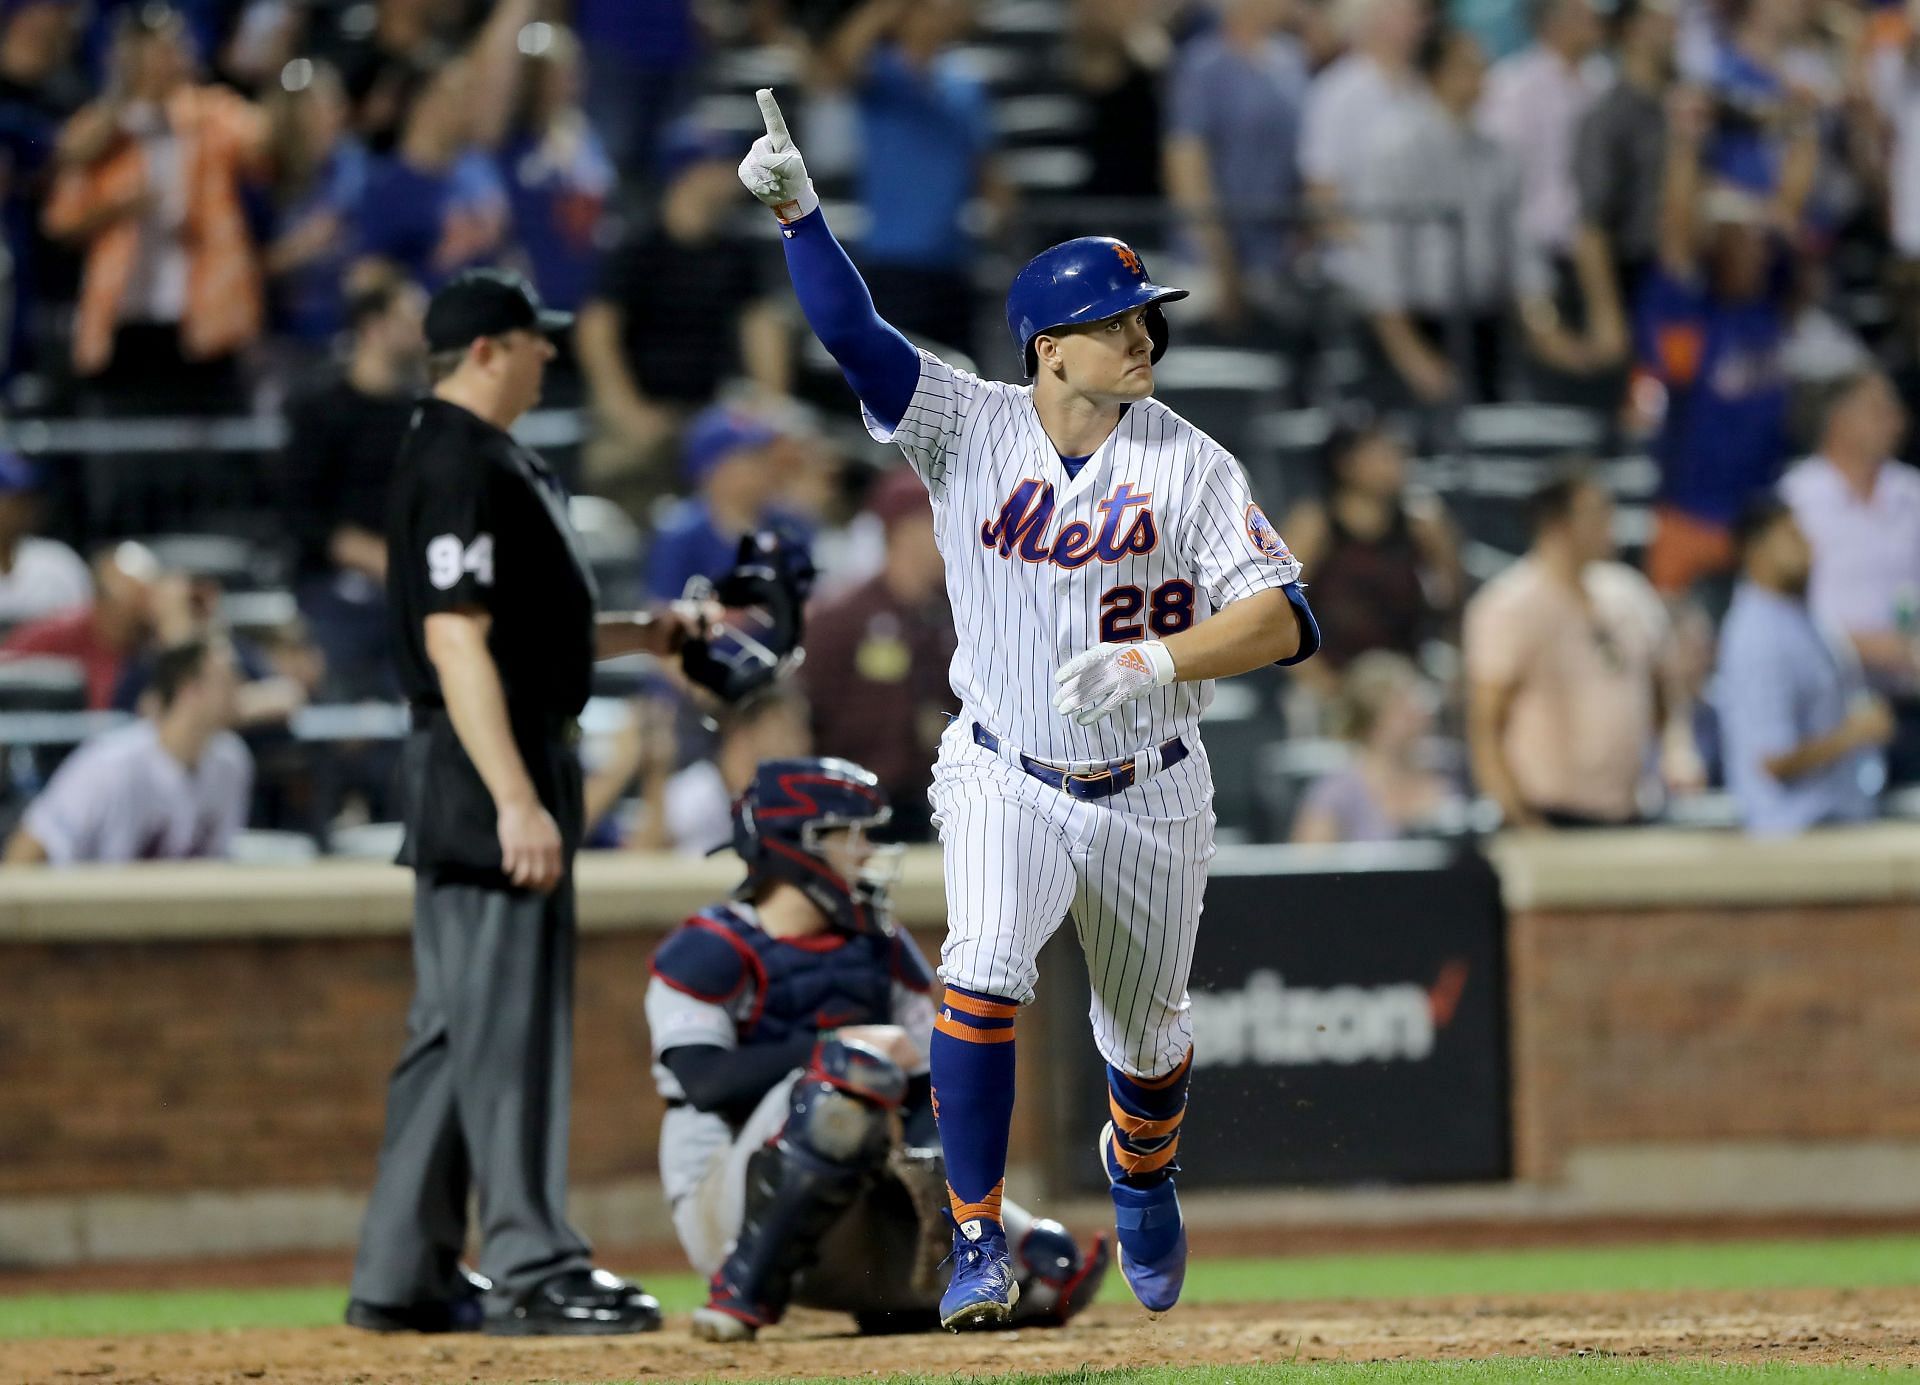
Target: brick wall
point(1798, 1023)
point(237, 1064)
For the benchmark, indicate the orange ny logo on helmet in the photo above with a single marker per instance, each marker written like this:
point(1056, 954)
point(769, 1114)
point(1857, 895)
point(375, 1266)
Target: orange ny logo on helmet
point(1130, 260)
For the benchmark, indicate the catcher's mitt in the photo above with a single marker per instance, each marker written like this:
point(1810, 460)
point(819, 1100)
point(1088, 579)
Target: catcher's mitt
point(764, 599)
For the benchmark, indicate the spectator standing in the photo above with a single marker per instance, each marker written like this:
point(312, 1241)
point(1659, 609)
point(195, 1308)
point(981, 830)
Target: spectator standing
point(1801, 735)
point(1761, 81)
point(1860, 509)
point(1564, 663)
point(1711, 322)
point(174, 784)
point(691, 811)
point(728, 465)
point(557, 173)
point(133, 602)
point(643, 69)
point(38, 92)
point(1893, 80)
point(342, 442)
point(1356, 97)
point(383, 64)
point(877, 656)
point(38, 576)
point(1117, 55)
point(437, 205)
point(680, 310)
point(1534, 101)
point(1619, 160)
point(1386, 563)
point(1232, 151)
point(1385, 711)
point(1456, 253)
point(151, 184)
point(320, 177)
point(927, 136)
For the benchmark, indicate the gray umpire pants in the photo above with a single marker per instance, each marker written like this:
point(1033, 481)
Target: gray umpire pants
point(481, 1098)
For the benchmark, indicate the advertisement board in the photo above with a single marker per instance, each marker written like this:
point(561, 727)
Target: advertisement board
point(1349, 1024)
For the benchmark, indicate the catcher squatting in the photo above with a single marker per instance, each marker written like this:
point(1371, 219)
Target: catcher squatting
point(1105, 562)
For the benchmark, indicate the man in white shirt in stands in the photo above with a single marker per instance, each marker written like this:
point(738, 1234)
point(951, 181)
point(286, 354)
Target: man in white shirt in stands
point(38, 576)
point(174, 784)
point(1357, 96)
point(1860, 509)
point(1532, 105)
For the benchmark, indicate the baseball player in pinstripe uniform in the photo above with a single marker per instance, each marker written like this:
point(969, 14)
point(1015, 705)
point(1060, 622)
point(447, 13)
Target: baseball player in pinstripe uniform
point(1106, 563)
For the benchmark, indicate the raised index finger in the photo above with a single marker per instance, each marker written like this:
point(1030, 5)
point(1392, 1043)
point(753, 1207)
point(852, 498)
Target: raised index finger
point(776, 123)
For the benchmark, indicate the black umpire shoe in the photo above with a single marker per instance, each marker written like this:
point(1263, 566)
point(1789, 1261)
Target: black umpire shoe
point(578, 1303)
point(461, 1313)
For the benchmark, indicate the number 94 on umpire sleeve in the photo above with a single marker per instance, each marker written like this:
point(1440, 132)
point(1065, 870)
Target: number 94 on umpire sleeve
point(449, 560)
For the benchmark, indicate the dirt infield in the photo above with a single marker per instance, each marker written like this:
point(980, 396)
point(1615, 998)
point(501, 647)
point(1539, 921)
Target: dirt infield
point(1878, 1327)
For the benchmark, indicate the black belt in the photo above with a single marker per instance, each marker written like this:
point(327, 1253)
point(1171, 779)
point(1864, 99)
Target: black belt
point(1116, 776)
point(557, 726)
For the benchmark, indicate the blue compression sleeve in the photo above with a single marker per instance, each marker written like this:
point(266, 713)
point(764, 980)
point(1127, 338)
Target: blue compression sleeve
point(882, 366)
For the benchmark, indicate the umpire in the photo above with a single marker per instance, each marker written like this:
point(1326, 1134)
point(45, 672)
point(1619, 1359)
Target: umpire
point(495, 635)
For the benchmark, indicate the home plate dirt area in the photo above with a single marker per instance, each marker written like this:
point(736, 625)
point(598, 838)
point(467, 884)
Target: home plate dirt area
point(1871, 1327)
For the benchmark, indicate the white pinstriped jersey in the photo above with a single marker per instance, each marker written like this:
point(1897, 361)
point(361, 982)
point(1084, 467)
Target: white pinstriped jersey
point(1157, 531)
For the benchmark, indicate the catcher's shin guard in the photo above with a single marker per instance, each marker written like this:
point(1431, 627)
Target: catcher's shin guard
point(798, 1186)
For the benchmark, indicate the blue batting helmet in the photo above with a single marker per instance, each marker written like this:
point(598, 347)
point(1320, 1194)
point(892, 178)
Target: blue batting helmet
point(779, 825)
point(1083, 280)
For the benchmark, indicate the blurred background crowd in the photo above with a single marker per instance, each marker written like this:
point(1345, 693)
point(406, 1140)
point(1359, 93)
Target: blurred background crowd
point(1576, 343)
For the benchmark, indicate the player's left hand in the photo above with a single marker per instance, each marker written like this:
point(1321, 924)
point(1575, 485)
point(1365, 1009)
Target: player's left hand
point(773, 170)
point(1091, 687)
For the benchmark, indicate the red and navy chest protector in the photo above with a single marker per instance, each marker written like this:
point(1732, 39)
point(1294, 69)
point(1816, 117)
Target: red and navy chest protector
point(779, 987)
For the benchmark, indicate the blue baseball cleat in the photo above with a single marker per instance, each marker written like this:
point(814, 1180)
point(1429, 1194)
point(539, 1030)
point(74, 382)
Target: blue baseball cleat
point(983, 1290)
point(1152, 1236)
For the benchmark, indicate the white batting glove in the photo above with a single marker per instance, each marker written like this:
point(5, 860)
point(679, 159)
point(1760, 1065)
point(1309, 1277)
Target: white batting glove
point(1093, 686)
point(773, 170)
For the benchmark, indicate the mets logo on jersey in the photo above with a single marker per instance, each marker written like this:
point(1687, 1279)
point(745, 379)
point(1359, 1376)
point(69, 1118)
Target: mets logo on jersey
point(1126, 526)
point(1264, 537)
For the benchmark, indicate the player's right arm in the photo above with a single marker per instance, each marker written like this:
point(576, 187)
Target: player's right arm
point(911, 397)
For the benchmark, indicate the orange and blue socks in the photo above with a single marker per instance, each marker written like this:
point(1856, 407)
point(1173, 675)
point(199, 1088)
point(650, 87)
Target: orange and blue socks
point(1141, 1151)
point(1144, 1148)
point(972, 1068)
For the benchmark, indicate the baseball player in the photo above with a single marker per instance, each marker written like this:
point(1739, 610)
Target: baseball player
point(1105, 563)
point(790, 1030)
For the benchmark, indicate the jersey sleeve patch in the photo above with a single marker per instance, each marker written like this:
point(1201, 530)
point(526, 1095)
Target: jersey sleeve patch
point(909, 967)
point(1265, 538)
point(701, 962)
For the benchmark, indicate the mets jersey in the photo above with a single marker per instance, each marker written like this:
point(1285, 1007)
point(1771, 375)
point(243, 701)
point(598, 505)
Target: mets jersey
point(1158, 530)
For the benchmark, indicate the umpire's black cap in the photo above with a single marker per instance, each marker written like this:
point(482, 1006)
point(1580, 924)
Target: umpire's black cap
point(485, 303)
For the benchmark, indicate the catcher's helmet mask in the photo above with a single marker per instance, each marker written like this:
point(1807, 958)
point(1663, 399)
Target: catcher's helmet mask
point(765, 599)
point(1078, 283)
point(780, 826)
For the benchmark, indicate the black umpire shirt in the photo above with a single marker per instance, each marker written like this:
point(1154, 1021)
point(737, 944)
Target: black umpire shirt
point(476, 521)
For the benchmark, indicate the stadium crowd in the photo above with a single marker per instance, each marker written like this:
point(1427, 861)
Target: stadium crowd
point(1691, 227)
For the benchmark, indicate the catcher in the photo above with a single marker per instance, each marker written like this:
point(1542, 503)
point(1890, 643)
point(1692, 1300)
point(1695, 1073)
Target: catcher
point(790, 1028)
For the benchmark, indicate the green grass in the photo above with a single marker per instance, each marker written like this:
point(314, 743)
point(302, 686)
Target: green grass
point(1498, 1370)
point(1864, 1262)
point(1847, 1263)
